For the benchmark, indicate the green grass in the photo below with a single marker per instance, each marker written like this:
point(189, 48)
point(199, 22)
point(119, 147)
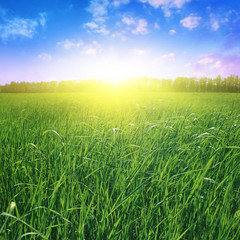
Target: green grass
point(124, 166)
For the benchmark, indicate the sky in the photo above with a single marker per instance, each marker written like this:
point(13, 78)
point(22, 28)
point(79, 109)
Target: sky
point(56, 40)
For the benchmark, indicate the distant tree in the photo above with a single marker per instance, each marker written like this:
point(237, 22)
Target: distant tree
point(193, 85)
point(236, 84)
point(181, 84)
point(209, 86)
point(166, 83)
point(154, 83)
point(217, 83)
point(203, 84)
point(228, 84)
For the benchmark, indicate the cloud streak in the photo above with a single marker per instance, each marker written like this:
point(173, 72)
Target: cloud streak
point(216, 64)
point(166, 5)
point(97, 28)
point(21, 27)
point(45, 56)
point(138, 26)
point(69, 44)
point(191, 22)
point(141, 27)
point(100, 14)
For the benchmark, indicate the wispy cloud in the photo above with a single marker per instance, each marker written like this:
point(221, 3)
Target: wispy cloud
point(166, 58)
point(120, 35)
point(140, 52)
point(117, 3)
point(45, 56)
point(216, 64)
point(141, 27)
point(43, 19)
point(138, 26)
point(156, 25)
point(98, 8)
point(172, 32)
point(92, 49)
point(128, 20)
point(214, 24)
point(68, 44)
point(216, 20)
point(102, 30)
point(191, 22)
point(169, 56)
point(166, 5)
point(97, 28)
point(91, 25)
point(24, 27)
point(100, 14)
point(206, 60)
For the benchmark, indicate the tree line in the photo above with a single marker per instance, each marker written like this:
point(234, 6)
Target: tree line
point(184, 84)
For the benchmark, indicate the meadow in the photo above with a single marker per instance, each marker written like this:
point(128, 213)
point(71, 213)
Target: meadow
point(120, 166)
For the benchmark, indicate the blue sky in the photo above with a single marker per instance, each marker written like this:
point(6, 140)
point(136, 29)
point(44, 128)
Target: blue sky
point(114, 39)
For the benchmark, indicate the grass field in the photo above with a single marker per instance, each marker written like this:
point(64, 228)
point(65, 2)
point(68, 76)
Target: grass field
point(123, 166)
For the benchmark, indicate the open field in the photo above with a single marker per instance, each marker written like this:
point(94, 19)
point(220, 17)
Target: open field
point(123, 166)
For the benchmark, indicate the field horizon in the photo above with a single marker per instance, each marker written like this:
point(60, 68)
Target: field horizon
point(144, 84)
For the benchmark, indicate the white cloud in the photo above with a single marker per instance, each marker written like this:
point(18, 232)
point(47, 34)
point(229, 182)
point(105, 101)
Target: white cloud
point(128, 20)
point(92, 49)
point(117, 3)
point(218, 64)
point(43, 19)
point(91, 25)
point(13, 27)
point(120, 35)
point(68, 44)
point(140, 52)
point(45, 56)
point(156, 25)
point(100, 11)
point(189, 64)
point(98, 8)
point(103, 30)
point(172, 32)
point(214, 23)
point(97, 28)
point(169, 56)
point(18, 27)
point(206, 60)
point(89, 50)
point(191, 22)
point(180, 3)
point(136, 26)
point(166, 4)
point(213, 64)
point(141, 27)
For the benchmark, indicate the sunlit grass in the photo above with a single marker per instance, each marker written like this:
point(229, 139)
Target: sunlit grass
point(120, 166)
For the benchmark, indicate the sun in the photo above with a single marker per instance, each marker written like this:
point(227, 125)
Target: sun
point(116, 71)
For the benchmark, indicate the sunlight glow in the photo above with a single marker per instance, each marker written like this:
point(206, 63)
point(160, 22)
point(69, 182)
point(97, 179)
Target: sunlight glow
point(115, 70)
